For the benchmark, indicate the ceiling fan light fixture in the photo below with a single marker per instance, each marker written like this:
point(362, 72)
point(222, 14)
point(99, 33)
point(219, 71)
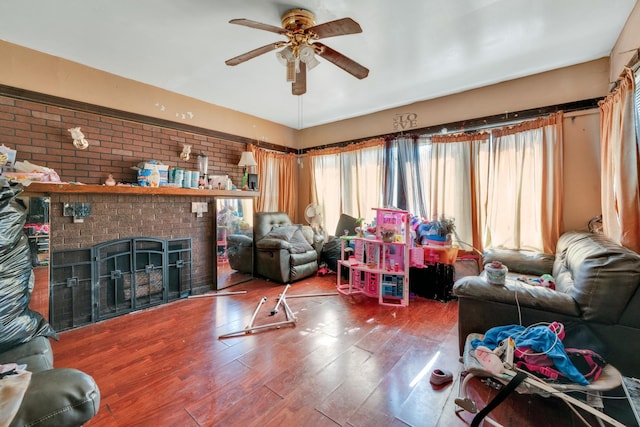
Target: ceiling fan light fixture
point(299, 52)
point(285, 55)
point(307, 55)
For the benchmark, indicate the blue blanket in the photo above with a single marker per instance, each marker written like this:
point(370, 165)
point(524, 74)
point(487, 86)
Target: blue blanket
point(539, 338)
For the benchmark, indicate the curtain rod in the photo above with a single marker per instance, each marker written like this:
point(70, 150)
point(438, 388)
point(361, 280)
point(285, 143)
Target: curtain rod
point(633, 64)
point(478, 123)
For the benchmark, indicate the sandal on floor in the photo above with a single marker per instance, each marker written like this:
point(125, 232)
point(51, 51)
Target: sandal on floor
point(441, 376)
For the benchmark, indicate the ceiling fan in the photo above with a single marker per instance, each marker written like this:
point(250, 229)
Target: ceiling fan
point(299, 51)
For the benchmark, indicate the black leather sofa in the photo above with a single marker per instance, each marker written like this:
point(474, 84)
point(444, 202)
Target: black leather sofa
point(597, 291)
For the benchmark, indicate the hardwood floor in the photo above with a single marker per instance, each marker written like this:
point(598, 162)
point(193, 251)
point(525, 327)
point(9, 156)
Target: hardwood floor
point(346, 362)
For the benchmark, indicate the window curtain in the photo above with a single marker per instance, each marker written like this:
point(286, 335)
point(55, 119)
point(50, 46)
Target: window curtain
point(620, 159)
point(450, 183)
point(407, 172)
point(326, 180)
point(518, 185)
point(362, 181)
point(503, 189)
point(277, 181)
point(347, 180)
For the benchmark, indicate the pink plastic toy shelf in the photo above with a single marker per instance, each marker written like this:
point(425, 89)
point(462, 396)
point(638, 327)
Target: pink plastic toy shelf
point(379, 266)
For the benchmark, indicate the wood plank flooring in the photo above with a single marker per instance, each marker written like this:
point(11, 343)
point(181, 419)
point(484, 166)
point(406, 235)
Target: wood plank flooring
point(346, 362)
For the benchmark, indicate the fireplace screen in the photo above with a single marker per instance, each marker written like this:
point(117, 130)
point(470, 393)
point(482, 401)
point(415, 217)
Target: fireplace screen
point(127, 275)
point(130, 275)
point(71, 302)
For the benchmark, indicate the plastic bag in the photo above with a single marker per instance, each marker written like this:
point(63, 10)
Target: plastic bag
point(48, 174)
point(18, 323)
point(12, 214)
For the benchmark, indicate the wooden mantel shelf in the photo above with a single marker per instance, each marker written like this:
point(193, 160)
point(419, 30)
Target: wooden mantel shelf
point(51, 188)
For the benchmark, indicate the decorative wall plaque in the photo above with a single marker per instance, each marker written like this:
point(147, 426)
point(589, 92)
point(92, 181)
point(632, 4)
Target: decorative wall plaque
point(405, 121)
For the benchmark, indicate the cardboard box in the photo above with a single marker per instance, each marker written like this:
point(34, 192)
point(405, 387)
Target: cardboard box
point(143, 174)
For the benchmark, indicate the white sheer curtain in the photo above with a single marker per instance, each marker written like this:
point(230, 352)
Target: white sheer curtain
point(504, 191)
point(519, 185)
point(449, 183)
point(326, 183)
point(348, 180)
point(269, 179)
point(362, 182)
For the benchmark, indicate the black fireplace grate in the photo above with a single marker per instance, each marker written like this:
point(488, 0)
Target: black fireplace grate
point(117, 277)
point(179, 266)
point(71, 300)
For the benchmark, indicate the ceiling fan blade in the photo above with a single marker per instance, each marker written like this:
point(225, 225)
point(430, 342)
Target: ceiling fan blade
point(299, 87)
point(339, 27)
point(258, 25)
point(349, 65)
point(252, 54)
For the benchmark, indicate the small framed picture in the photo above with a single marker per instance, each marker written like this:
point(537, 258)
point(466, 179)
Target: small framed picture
point(252, 181)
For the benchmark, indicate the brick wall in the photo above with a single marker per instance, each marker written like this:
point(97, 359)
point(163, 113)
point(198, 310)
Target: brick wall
point(127, 216)
point(39, 133)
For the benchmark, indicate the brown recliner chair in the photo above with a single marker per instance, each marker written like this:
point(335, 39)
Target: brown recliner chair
point(284, 252)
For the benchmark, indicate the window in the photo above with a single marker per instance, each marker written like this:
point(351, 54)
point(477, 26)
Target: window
point(502, 189)
point(348, 181)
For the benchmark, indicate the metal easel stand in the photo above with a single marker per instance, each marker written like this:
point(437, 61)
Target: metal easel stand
point(217, 294)
point(291, 318)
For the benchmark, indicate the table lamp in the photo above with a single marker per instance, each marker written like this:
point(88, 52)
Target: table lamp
point(246, 160)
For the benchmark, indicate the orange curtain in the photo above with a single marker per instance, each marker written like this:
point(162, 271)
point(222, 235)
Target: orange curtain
point(620, 160)
point(277, 182)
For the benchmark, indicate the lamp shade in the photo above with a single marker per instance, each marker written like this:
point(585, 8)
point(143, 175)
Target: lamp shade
point(285, 55)
point(307, 55)
point(247, 159)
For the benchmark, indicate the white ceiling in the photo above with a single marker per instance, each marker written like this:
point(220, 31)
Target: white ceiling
point(415, 49)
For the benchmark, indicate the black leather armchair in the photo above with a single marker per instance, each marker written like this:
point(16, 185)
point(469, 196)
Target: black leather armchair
point(284, 252)
point(332, 249)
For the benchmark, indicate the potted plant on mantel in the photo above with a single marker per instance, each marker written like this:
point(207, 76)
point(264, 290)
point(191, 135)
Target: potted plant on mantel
point(438, 231)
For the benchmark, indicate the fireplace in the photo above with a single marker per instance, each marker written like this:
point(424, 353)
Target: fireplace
point(117, 277)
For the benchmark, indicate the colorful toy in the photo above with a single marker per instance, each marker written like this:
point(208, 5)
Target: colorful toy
point(546, 281)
